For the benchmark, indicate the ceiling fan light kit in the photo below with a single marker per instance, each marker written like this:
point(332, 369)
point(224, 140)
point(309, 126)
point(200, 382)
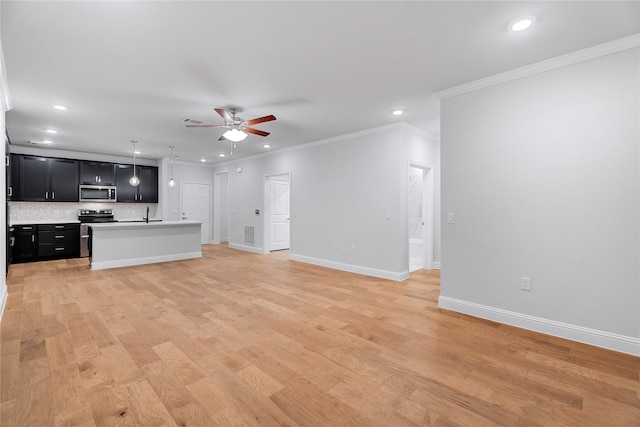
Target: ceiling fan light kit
point(235, 135)
point(237, 128)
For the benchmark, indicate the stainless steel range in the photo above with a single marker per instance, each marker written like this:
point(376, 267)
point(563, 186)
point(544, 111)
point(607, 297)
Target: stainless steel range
point(86, 217)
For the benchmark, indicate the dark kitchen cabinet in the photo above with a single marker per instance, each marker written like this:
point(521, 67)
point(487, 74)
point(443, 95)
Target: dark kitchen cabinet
point(148, 188)
point(59, 240)
point(97, 173)
point(44, 179)
point(64, 180)
point(37, 242)
point(146, 192)
point(33, 178)
point(7, 169)
point(25, 248)
point(125, 192)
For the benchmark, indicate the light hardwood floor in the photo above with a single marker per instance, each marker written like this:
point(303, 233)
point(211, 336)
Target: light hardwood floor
point(240, 339)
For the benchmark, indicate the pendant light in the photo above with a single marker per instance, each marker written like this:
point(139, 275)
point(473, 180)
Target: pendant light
point(171, 181)
point(134, 180)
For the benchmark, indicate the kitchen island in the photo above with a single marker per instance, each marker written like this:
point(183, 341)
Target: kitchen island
point(117, 244)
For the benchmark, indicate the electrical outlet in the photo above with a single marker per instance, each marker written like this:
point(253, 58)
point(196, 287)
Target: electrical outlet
point(336, 246)
point(525, 283)
point(451, 218)
point(353, 247)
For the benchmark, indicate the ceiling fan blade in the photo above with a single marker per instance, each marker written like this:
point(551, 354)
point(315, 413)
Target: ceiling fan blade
point(223, 113)
point(255, 131)
point(261, 120)
point(204, 126)
point(222, 138)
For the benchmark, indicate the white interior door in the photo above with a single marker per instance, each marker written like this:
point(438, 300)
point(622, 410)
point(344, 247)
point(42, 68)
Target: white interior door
point(420, 221)
point(279, 214)
point(416, 218)
point(195, 205)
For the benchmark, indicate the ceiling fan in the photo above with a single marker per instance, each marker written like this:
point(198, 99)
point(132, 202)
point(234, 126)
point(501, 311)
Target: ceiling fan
point(237, 127)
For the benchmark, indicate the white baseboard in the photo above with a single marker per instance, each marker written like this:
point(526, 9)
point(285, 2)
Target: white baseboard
point(147, 260)
point(436, 265)
point(4, 292)
point(367, 271)
point(246, 248)
point(608, 340)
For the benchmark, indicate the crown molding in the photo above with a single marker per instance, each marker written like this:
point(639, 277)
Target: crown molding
point(340, 138)
point(5, 98)
point(593, 52)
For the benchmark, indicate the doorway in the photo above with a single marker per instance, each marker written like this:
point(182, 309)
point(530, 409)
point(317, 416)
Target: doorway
point(277, 212)
point(420, 216)
point(195, 205)
point(221, 207)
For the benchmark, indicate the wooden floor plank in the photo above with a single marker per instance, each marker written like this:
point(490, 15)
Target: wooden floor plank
point(243, 339)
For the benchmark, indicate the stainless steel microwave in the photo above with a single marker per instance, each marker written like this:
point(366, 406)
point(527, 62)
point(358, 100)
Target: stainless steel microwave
point(97, 193)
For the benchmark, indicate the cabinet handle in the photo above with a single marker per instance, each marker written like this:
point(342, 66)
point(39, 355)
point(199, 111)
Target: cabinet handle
point(27, 228)
point(97, 178)
point(58, 226)
point(33, 238)
point(59, 249)
point(46, 195)
point(53, 195)
point(59, 237)
point(10, 191)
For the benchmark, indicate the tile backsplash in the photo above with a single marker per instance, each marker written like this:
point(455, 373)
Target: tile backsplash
point(59, 211)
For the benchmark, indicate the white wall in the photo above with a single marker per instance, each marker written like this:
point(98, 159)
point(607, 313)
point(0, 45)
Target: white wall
point(182, 172)
point(342, 192)
point(542, 174)
point(3, 229)
point(5, 102)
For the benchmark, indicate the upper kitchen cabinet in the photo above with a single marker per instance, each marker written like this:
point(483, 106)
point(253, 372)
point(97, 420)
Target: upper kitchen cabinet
point(146, 192)
point(97, 173)
point(44, 179)
point(148, 188)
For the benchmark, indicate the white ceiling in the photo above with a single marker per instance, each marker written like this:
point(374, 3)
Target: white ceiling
point(134, 70)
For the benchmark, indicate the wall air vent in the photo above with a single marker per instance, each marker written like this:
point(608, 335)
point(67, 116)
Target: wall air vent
point(249, 233)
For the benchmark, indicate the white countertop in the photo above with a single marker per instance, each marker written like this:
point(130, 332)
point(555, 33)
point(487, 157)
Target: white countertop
point(41, 221)
point(119, 225)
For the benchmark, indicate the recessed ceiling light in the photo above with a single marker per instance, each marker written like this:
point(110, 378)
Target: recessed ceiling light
point(397, 112)
point(221, 155)
point(51, 131)
point(267, 145)
point(521, 24)
point(203, 160)
point(60, 107)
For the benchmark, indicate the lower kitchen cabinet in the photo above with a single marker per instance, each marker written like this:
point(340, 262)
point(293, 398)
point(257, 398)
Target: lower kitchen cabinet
point(46, 241)
point(56, 240)
point(26, 248)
